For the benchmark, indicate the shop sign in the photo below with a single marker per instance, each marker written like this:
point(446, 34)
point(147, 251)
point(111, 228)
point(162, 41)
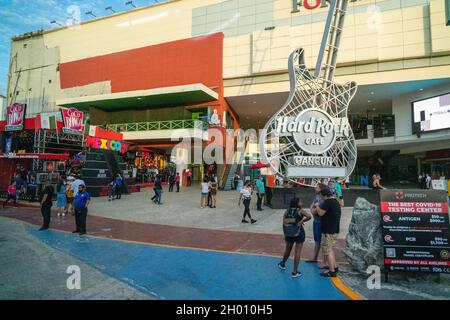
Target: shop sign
point(415, 230)
point(73, 120)
point(106, 144)
point(310, 4)
point(15, 117)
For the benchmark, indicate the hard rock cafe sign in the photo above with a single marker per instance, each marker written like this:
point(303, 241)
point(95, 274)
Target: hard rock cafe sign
point(309, 139)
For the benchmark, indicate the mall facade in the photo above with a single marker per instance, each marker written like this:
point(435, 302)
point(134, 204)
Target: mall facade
point(189, 65)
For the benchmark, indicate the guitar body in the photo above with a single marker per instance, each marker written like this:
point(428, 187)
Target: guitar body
point(309, 140)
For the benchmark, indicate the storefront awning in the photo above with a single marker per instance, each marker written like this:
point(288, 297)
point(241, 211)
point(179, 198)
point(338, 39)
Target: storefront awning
point(40, 156)
point(178, 95)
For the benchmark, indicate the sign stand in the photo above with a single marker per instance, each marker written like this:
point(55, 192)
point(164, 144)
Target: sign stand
point(415, 231)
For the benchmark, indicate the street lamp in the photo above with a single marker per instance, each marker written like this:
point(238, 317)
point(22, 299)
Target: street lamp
point(110, 8)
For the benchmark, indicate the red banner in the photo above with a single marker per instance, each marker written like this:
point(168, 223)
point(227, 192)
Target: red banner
point(73, 120)
point(15, 117)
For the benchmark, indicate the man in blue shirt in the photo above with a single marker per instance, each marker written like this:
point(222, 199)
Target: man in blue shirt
point(81, 203)
point(118, 182)
point(260, 192)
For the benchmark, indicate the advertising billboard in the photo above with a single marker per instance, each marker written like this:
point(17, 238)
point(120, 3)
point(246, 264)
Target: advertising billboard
point(415, 230)
point(433, 113)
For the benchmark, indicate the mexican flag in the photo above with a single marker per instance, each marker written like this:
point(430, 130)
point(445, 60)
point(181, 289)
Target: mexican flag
point(49, 120)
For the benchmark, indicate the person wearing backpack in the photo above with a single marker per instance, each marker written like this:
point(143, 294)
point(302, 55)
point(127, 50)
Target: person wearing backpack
point(293, 221)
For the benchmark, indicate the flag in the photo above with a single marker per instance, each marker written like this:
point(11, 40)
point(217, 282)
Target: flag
point(48, 121)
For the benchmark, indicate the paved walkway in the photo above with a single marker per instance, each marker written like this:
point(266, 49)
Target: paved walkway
point(179, 251)
point(30, 269)
point(175, 273)
point(219, 240)
point(183, 209)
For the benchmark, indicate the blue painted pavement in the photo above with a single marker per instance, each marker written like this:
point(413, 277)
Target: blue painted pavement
point(185, 274)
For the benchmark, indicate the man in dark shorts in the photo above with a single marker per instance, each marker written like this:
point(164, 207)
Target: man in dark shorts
point(293, 221)
point(330, 213)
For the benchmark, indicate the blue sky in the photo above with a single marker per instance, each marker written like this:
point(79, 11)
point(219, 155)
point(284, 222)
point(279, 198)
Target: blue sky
point(21, 16)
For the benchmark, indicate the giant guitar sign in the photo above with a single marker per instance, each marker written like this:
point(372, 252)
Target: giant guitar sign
point(309, 139)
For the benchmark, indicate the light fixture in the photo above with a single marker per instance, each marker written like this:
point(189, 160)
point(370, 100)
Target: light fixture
point(110, 8)
point(56, 22)
point(130, 3)
point(90, 13)
point(421, 89)
point(372, 93)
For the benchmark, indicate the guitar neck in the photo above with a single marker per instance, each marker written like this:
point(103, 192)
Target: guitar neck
point(326, 61)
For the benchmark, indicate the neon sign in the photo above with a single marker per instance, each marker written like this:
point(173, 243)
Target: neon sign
point(106, 144)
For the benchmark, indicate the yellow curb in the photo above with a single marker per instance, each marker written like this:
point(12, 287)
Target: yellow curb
point(341, 286)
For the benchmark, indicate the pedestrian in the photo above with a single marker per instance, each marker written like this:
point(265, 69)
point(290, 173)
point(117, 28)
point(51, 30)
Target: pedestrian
point(235, 181)
point(208, 180)
point(158, 190)
point(260, 192)
point(240, 183)
point(32, 187)
point(428, 182)
point(61, 199)
point(189, 177)
point(377, 182)
point(246, 197)
point(338, 190)
point(347, 183)
point(118, 182)
point(177, 181)
point(171, 182)
point(317, 233)
point(12, 194)
point(81, 203)
point(205, 192)
point(111, 190)
point(213, 187)
point(293, 220)
point(330, 213)
point(76, 183)
point(46, 200)
point(70, 195)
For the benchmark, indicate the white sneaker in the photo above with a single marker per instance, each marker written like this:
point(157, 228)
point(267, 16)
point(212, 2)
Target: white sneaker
point(296, 275)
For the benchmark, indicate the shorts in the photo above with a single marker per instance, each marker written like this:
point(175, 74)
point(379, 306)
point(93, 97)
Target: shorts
point(329, 239)
point(205, 194)
point(298, 239)
point(316, 231)
point(70, 200)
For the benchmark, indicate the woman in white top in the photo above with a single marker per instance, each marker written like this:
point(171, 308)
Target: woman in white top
point(246, 197)
point(205, 191)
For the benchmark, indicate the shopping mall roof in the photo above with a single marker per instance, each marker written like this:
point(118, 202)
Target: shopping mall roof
point(167, 96)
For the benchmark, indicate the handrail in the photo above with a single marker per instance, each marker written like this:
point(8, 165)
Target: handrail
point(160, 125)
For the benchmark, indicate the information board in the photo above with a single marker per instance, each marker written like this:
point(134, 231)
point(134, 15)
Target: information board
point(415, 230)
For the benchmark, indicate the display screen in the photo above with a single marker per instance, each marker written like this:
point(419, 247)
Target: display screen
point(433, 113)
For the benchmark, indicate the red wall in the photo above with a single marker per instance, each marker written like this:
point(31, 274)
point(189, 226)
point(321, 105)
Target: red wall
point(194, 60)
